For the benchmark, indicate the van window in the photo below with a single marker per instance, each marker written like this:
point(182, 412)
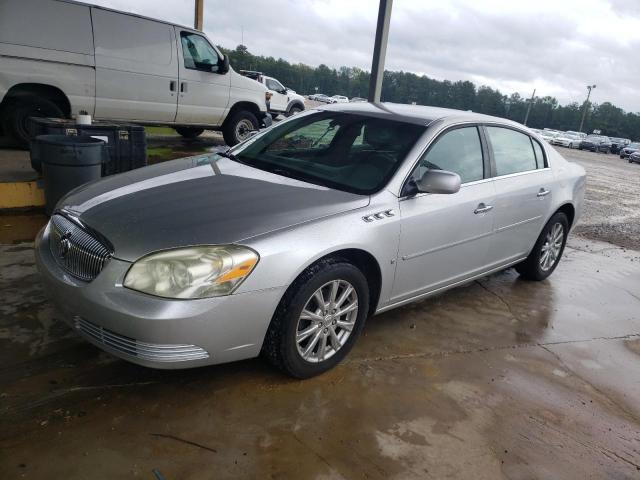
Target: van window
point(459, 151)
point(512, 151)
point(198, 54)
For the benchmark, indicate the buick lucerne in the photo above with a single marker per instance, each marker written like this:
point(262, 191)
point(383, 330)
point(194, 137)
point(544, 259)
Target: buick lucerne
point(285, 244)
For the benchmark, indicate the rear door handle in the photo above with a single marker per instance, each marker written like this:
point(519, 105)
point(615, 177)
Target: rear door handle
point(183, 87)
point(543, 192)
point(172, 86)
point(482, 208)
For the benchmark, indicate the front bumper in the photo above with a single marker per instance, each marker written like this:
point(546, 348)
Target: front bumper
point(152, 331)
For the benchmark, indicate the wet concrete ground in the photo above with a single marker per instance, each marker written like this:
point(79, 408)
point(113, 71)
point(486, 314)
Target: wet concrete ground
point(501, 378)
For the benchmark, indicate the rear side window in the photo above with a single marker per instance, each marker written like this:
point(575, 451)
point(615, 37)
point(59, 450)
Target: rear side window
point(537, 149)
point(512, 151)
point(457, 151)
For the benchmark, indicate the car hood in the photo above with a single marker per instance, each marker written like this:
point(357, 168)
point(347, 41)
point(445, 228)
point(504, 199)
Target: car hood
point(198, 200)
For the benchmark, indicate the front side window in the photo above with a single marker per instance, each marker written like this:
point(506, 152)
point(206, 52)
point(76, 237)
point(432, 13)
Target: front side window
point(274, 85)
point(458, 151)
point(512, 151)
point(350, 152)
point(198, 54)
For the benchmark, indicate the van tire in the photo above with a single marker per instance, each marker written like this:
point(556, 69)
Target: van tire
point(189, 132)
point(233, 129)
point(293, 110)
point(16, 114)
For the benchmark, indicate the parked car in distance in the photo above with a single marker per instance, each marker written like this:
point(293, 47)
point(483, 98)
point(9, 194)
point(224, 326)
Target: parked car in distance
point(634, 157)
point(72, 57)
point(283, 100)
point(340, 99)
point(596, 143)
point(358, 99)
point(579, 134)
point(566, 140)
point(547, 135)
point(629, 149)
point(618, 144)
point(321, 97)
point(195, 262)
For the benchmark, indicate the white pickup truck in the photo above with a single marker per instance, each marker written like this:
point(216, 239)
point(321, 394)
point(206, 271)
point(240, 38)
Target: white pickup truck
point(283, 100)
point(59, 57)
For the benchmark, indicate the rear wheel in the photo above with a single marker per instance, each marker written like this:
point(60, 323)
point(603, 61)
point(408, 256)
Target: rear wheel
point(547, 251)
point(238, 127)
point(189, 132)
point(318, 320)
point(17, 114)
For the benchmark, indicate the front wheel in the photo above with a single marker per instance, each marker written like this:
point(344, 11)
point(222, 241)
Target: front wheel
point(547, 251)
point(293, 110)
point(238, 127)
point(318, 320)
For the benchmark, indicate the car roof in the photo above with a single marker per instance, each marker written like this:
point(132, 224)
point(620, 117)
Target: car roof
point(416, 114)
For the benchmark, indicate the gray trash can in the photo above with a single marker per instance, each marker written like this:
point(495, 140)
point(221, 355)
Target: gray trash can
point(67, 163)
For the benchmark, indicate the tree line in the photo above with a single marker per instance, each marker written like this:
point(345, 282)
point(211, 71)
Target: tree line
point(406, 87)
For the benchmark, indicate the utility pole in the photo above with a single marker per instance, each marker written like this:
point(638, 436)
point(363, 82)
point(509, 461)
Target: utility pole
point(526, 117)
point(380, 50)
point(199, 14)
point(586, 105)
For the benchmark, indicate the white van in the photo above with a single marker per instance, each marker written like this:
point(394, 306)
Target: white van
point(60, 57)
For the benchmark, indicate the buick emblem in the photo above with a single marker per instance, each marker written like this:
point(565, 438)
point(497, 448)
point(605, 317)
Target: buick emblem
point(65, 244)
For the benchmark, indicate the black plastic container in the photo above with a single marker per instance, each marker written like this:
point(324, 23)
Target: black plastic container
point(67, 163)
point(126, 144)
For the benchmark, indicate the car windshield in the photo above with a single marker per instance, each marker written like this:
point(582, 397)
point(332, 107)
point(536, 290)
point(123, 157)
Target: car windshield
point(594, 139)
point(633, 145)
point(349, 152)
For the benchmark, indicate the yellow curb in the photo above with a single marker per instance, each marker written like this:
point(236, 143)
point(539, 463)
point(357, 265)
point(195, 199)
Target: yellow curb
point(20, 195)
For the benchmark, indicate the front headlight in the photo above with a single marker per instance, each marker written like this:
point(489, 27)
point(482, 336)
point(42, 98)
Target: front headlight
point(193, 272)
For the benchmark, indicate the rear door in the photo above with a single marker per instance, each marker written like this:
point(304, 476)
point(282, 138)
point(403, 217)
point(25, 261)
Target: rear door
point(136, 68)
point(203, 91)
point(445, 238)
point(523, 184)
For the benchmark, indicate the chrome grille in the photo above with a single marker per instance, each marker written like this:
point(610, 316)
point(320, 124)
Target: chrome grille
point(76, 250)
point(155, 352)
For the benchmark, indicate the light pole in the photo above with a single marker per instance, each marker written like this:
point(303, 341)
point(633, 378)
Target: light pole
point(586, 105)
point(526, 117)
point(379, 50)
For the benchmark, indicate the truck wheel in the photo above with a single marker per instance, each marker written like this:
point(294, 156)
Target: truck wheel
point(293, 110)
point(237, 127)
point(189, 132)
point(16, 115)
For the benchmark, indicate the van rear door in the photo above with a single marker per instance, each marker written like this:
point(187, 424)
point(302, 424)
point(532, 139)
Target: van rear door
point(136, 68)
point(203, 90)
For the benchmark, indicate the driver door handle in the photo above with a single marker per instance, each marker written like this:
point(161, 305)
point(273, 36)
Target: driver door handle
point(543, 192)
point(482, 208)
point(183, 87)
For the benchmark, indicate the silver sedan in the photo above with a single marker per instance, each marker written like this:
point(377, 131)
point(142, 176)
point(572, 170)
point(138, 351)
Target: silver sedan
point(285, 244)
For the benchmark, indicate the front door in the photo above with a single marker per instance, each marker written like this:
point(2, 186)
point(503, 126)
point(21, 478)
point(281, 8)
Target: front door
point(203, 92)
point(279, 100)
point(445, 238)
point(524, 195)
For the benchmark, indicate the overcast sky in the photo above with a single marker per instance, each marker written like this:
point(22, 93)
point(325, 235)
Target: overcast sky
point(555, 46)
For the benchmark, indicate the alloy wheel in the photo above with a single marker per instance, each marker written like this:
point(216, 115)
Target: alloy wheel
point(243, 128)
point(326, 321)
point(551, 247)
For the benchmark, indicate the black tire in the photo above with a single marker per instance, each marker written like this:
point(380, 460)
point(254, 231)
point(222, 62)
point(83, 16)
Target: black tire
point(293, 110)
point(232, 130)
point(189, 132)
point(530, 268)
point(280, 347)
point(15, 118)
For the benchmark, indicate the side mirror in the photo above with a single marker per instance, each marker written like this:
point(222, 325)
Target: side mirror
point(439, 181)
point(223, 65)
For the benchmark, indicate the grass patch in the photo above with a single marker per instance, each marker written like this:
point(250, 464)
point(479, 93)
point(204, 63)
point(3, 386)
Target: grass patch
point(160, 154)
point(164, 131)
